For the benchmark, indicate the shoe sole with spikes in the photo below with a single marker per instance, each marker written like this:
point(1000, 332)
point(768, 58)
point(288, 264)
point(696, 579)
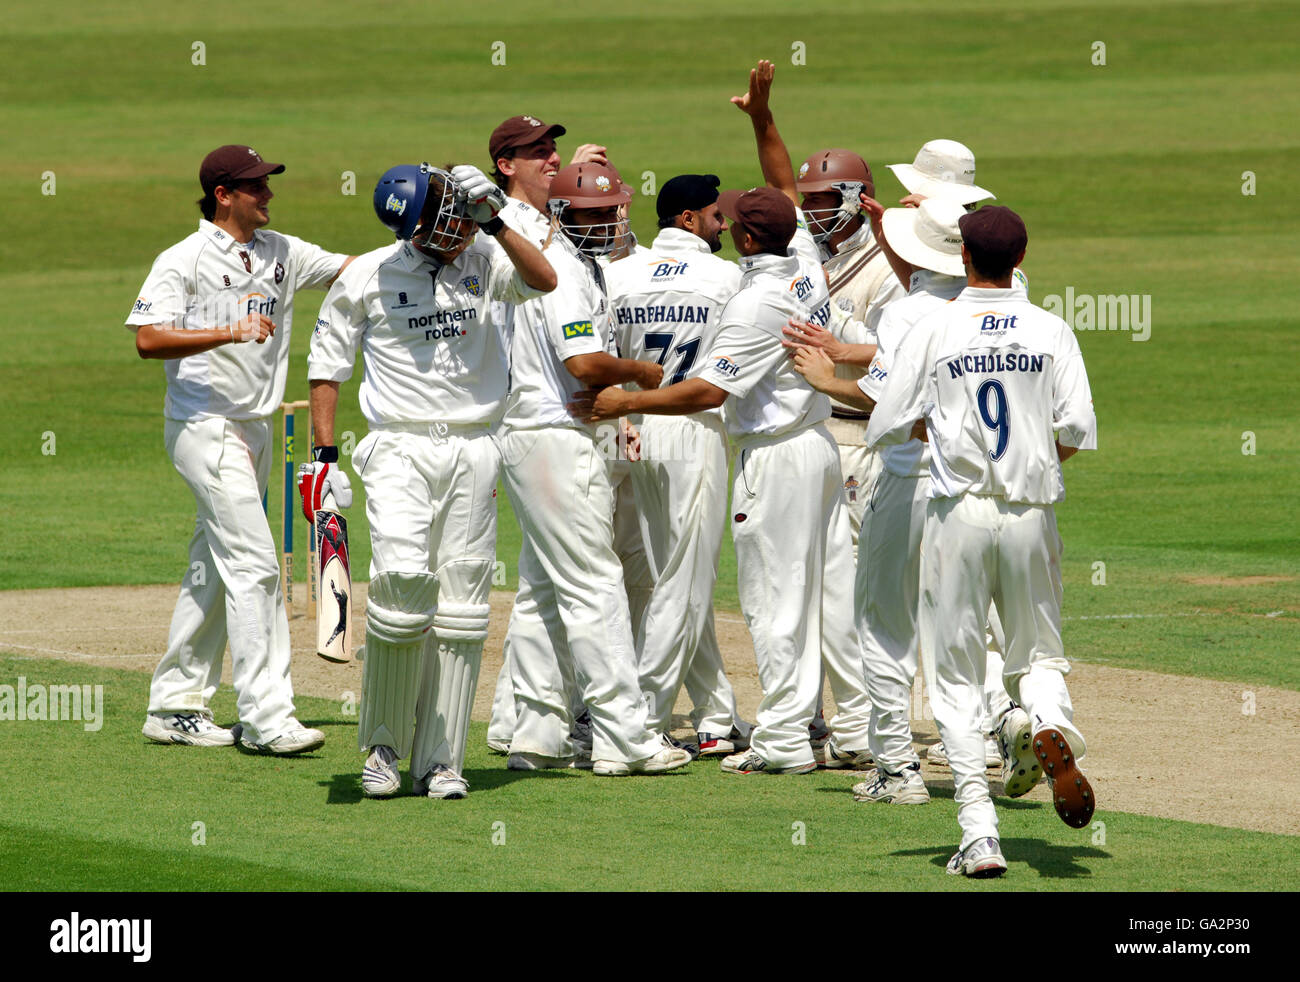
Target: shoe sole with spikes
point(1071, 793)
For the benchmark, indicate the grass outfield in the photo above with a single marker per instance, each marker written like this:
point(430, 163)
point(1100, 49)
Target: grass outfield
point(119, 813)
point(1129, 176)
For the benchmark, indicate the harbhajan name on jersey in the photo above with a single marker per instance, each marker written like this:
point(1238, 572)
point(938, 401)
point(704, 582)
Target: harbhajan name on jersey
point(997, 361)
point(663, 314)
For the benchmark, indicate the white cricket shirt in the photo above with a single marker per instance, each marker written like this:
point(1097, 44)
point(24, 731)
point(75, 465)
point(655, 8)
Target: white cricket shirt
point(747, 360)
point(431, 348)
point(861, 283)
point(929, 291)
point(993, 376)
point(571, 320)
point(667, 303)
point(208, 280)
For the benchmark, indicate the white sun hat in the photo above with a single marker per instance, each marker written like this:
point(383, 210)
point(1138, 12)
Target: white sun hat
point(942, 169)
point(927, 236)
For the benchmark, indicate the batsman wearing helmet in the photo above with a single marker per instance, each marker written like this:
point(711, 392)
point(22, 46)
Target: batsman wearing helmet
point(556, 474)
point(434, 384)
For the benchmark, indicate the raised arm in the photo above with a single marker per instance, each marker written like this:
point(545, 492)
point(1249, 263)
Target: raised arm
point(773, 157)
point(875, 214)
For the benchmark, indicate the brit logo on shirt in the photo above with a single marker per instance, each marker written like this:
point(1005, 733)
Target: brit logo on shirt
point(851, 486)
point(279, 272)
point(473, 285)
point(726, 367)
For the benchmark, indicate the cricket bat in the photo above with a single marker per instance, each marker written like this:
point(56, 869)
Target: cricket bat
point(334, 596)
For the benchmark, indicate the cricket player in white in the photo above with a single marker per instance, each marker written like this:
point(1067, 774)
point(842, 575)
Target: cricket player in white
point(435, 380)
point(556, 473)
point(945, 170)
point(886, 586)
point(994, 377)
point(840, 655)
point(831, 183)
point(525, 161)
point(218, 306)
point(667, 305)
point(789, 524)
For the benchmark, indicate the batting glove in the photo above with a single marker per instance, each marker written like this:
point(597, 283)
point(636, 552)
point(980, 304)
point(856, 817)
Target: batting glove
point(317, 479)
point(484, 198)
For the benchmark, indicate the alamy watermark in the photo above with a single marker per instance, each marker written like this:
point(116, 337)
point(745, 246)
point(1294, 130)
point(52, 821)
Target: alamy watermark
point(1103, 312)
point(75, 935)
point(52, 703)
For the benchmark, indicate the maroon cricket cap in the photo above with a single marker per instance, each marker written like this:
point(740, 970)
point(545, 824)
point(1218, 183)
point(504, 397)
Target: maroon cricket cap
point(994, 230)
point(233, 162)
point(767, 214)
point(519, 131)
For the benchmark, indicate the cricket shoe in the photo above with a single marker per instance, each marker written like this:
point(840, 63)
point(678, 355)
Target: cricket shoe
point(379, 777)
point(1071, 792)
point(186, 729)
point(497, 747)
point(818, 732)
point(580, 734)
point(691, 748)
point(712, 745)
point(541, 762)
point(298, 740)
point(981, 859)
point(441, 782)
point(1021, 770)
point(749, 762)
point(669, 758)
point(904, 788)
point(938, 755)
point(833, 758)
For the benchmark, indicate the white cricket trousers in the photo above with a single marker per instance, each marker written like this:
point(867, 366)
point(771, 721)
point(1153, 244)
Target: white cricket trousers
point(681, 497)
point(860, 469)
point(558, 483)
point(431, 505)
point(886, 599)
point(979, 548)
point(231, 589)
point(526, 615)
point(791, 532)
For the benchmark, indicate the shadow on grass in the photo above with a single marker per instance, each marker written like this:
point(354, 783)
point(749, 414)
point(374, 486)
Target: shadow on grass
point(1050, 861)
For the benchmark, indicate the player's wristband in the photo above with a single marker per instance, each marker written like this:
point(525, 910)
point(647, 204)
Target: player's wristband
point(492, 226)
point(325, 455)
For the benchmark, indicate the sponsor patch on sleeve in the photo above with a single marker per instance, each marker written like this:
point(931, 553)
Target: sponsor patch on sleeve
point(578, 329)
point(725, 367)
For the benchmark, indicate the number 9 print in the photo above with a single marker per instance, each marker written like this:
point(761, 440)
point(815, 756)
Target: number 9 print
point(995, 417)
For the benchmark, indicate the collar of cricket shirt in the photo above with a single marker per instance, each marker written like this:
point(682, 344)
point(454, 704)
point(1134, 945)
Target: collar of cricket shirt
point(930, 281)
point(413, 259)
point(861, 239)
point(982, 294)
point(767, 262)
point(220, 238)
point(678, 240)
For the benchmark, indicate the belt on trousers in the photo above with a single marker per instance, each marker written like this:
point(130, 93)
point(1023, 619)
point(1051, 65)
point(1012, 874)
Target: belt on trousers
point(433, 429)
point(839, 413)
